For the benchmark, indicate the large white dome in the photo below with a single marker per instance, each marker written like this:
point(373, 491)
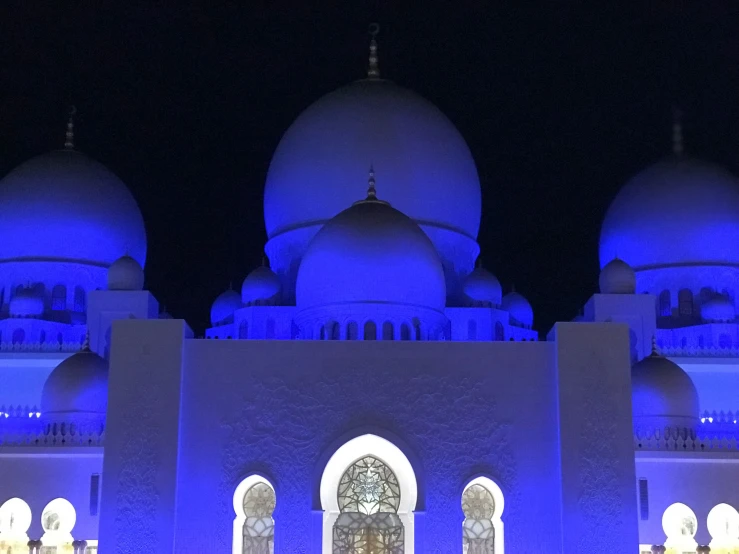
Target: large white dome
point(679, 212)
point(371, 254)
point(320, 164)
point(64, 206)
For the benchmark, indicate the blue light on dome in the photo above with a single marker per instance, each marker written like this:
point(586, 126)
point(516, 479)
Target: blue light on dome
point(320, 164)
point(65, 206)
point(371, 253)
point(678, 212)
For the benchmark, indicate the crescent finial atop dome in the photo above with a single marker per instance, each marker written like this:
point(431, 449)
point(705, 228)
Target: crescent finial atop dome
point(677, 131)
point(69, 135)
point(373, 72)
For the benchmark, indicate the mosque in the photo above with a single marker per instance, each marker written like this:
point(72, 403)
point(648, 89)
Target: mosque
point(370, 389)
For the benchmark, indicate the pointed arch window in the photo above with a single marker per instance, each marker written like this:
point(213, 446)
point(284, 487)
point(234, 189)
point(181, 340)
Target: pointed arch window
point(15, 519)
point(685, 302)
point(405, 332)
point(59, 297)
point(499, 331)
point(680, 525)
point(370, 331)
point(388, 332)
point(369, 498)
point(352, 331)
point(254, 526)
point(482, 529)
point(57, 521)
point(665, 304)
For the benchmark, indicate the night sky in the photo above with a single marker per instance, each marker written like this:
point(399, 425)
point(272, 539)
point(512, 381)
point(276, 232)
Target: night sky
point(559, 104)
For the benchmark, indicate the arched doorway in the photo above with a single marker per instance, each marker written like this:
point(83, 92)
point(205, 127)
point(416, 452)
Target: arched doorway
point(368, 494)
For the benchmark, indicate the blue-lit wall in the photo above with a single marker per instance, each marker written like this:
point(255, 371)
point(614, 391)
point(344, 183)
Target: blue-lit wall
point(281, 410)
point(215, 412)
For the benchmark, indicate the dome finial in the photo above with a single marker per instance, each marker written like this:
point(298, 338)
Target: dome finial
point(371, 191)
point(677, 131)
point(373, 72)
point(655, 349)
point(69, 136)
point(86, 344)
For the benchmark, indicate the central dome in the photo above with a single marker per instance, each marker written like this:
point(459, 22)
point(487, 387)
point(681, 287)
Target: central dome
point(371, 253)
point(679, 212)
point(320, 163)
point(65, 206)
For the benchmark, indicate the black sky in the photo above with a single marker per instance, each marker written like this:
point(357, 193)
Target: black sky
point(560, 104)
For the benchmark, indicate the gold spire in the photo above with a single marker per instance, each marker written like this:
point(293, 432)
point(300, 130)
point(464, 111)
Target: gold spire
point(373, 72)
point(69, 136)
point(677, 132)
point(86, 344)
point(371, 191)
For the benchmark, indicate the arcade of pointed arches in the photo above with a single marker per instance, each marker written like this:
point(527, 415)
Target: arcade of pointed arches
point(368, 493)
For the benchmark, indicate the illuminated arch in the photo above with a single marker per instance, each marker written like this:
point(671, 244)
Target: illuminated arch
point(57, 521)
point(15, 520)
point(497, 509)
point(238, 505)
point(348, 454)
point(723, 526)
point(680, 525)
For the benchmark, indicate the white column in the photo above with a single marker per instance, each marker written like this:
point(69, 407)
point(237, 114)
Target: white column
point(596, 438)
point(140, 464)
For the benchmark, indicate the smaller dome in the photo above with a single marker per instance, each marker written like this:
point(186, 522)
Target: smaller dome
point(483, 288)
point(260, 287)
point(125, 274)
point(719, 309)
point(521, 312)
point(27, 302)
point(617, 277)
point(223, 308)
point(663, 396)
point(371, 253)
point(77, 387)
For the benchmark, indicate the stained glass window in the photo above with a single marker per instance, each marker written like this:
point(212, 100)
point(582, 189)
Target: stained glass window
point(259, 527)
point(478, 533)
point(369, 497)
